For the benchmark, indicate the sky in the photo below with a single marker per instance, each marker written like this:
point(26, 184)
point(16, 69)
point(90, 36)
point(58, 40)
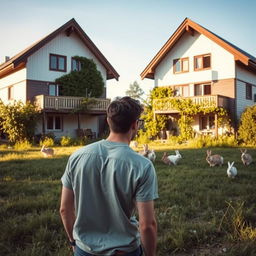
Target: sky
point(129, 33)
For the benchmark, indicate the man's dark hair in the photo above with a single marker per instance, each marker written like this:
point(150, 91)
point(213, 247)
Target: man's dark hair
point(122, 113)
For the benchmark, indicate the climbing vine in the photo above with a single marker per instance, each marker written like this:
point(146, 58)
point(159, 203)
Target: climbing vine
point(161, 98)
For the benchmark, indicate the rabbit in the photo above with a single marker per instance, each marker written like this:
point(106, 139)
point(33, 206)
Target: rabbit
point(145, 150)
point(245, 157)
point(165, 159)
point(151, 155)
point(134, 144)
point(174, 159)
point(47, 151)
point(214, 160)
point(231, 171)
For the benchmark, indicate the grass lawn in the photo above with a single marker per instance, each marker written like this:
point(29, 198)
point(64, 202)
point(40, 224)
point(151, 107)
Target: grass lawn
point(200, 210)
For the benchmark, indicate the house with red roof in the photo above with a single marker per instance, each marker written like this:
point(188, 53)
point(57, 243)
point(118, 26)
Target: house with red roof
point(30, 76)
point(202, 66)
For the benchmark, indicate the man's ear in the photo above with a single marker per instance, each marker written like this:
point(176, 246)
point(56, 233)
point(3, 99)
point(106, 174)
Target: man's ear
point(134, 125)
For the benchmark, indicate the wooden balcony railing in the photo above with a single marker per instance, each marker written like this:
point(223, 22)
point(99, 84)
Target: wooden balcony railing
point(165, 105)
point(45, 102)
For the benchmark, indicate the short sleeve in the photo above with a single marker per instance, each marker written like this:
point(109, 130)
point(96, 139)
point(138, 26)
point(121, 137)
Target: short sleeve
point(147, 189)
point(66, 178)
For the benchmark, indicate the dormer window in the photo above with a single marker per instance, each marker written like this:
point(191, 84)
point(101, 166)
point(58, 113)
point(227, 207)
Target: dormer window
point(58, 62)
point(75, 65)
point(180, 65)
point(202, 62)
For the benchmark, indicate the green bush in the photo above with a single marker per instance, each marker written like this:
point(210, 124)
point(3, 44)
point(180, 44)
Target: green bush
point(247, 128)
point(142, 137)
point(48, 142)
point(18, 120)
point(66, 141)
point(23, 145)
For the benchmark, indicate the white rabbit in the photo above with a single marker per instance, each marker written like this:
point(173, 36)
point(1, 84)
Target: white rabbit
point(174, 159)
point(145, 150)
point(231, 171)
point(245, 157)
point(151, 155)
point(47, 151)
point(134, 144)
point(214, 159)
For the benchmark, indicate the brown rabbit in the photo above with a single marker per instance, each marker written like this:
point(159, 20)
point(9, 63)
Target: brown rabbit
point(214, 160)
point(145, 150)
point(165, 159)
point(245, 157)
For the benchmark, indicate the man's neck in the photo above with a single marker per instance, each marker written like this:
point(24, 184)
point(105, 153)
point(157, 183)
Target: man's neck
point(119, 137)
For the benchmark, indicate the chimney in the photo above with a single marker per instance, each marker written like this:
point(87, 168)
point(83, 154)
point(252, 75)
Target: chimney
point(7, 58)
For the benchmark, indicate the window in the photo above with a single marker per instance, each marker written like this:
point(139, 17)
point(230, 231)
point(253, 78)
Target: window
point(58, 62)
point(202, 89)
point(182, 90)
point(180, 65)
point(207, 122)
point(202, 62)
point(54, 123)
point(248, 93)
point(55, 90)
point(10, 93)
point(75, 65)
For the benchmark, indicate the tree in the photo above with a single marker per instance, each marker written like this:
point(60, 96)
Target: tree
point(87, 82)
point(18, 120)
point(135, 91)
point(247, 128)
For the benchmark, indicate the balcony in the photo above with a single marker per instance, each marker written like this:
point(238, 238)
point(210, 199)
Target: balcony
point(165, 106)
point(67, 103)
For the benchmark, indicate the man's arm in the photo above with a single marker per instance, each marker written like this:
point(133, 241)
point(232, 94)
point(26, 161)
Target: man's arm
point(147, 227)
point(67, 211)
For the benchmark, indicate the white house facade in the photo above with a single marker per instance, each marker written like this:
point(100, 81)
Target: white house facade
point(201, 66)
point(30, 76)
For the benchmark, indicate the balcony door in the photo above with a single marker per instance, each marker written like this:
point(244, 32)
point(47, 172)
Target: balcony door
point(55, 90)
point(202, 89)
point(207, 122)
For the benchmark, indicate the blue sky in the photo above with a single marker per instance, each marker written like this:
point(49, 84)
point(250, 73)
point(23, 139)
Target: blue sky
point(128, 32)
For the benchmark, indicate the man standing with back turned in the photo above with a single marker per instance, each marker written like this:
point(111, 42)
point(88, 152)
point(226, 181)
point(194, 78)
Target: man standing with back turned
point(103, 184)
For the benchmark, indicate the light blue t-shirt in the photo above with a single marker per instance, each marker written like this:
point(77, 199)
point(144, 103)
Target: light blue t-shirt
point(107, 178)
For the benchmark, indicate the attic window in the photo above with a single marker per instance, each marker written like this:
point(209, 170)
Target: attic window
point(58, 62)
point(202, 62)
point(180, 65)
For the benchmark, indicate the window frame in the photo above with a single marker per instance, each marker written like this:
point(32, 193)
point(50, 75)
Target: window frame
point(58, 89)
point(78, 64)
point(202, 89)
point(54, 123)
point(209, 122)
point(57, 61)
point(202, 56)
point(248, 93)
point(10, 92)
point(181, 63)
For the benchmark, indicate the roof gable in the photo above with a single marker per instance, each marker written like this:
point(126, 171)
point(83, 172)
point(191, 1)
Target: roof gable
point(189, 26)
point(71, 26)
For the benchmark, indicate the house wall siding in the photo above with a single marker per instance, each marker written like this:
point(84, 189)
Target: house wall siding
point(18, 81)
point(70, 124)
point(222, 62)
point(243, 77)
point(37, 88)
point(38, 63)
